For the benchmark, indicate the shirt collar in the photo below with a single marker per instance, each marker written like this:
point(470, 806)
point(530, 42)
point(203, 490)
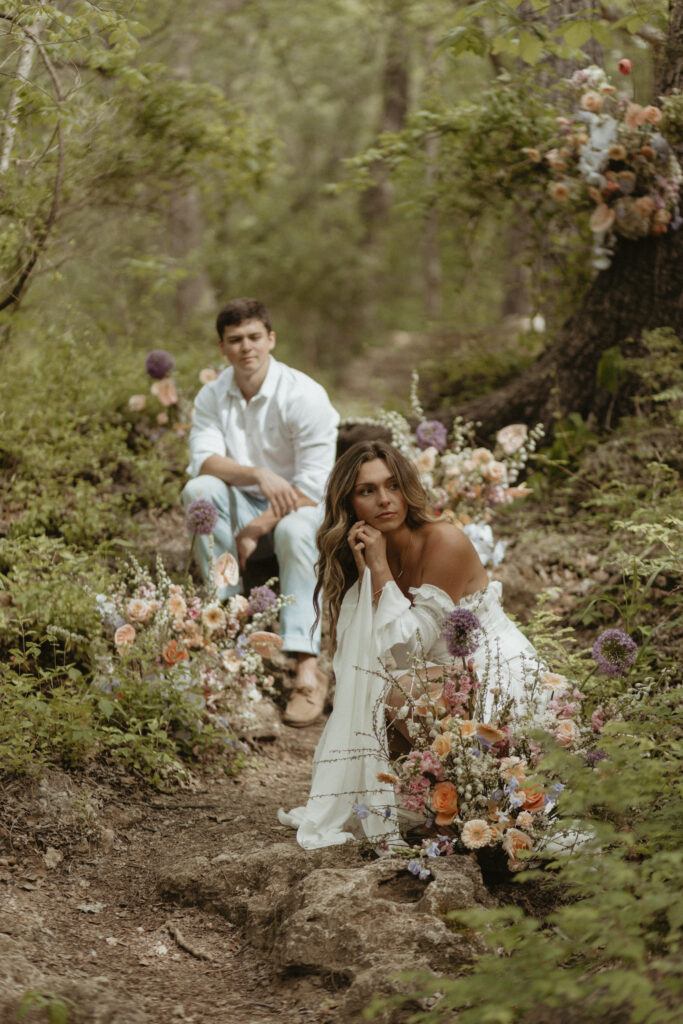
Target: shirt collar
point(266, 390)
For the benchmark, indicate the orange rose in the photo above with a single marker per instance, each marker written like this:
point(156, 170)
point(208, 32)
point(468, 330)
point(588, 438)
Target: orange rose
point(174, 652)
point(534, 799)
point(265, 643)
point(124, 636)
point(514, 842)
point(444, 802)
point(443, 743)
point(490, 733)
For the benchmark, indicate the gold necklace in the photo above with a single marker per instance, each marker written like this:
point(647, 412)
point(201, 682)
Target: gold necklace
point(401, 566)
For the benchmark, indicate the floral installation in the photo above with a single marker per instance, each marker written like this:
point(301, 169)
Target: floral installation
point(174, 636)
point(468, 782)
point(611, 158)
point(465, 483)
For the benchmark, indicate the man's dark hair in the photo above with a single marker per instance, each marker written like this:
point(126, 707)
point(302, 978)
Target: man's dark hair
point(239, 310)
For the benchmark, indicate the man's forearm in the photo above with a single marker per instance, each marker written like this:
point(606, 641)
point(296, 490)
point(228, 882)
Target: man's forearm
point(229, 471)
point(268, 520)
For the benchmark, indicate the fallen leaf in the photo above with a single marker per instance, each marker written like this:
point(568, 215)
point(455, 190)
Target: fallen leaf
point(91, 908)
point(52, 857)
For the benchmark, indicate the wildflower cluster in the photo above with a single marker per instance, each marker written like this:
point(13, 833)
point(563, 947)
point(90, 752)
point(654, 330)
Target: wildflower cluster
point(169, 408)
point(163, 630)
point(609, 157)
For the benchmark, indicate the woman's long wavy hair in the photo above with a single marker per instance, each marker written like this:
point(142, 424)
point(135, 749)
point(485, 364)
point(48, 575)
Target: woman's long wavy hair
point(336, 568)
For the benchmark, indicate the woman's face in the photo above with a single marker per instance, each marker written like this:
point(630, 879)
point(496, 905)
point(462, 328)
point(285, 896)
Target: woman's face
point(377, 497)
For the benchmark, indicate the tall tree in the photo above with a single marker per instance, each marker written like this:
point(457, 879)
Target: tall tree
point(641, 290)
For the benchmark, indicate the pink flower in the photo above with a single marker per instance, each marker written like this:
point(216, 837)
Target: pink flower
point(166, 391)
point(225, 571)
point(625, 66)
point(635, 116)
point(598, 718)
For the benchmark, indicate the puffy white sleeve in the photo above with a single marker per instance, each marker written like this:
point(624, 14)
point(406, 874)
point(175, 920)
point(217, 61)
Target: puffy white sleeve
point(397, 621)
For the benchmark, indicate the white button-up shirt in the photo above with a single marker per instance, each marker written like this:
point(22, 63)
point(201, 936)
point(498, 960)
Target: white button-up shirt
point(289, 426)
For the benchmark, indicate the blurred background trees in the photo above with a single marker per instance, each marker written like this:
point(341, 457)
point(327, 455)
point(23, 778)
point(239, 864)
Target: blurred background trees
point(358, 165)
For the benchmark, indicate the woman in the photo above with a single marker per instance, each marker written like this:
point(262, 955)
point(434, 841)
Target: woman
point(390, 573)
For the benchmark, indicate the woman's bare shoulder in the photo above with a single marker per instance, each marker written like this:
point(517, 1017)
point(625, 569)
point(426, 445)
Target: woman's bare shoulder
point(449, 561)
point(444, 537)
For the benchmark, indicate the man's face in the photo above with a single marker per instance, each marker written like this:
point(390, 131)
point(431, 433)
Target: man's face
point(246, 346)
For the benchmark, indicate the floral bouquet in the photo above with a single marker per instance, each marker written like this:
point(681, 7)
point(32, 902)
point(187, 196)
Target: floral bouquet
point(610, 158)
point(168, 408)
point(169, 633)
point(467, 782)
point(464, 483)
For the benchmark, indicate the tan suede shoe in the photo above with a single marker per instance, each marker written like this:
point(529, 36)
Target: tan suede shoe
point(306, 705)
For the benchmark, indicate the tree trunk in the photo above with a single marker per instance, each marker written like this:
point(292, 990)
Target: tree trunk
point(641, 290)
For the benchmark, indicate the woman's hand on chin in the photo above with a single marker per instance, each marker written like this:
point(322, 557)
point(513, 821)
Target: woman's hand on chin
point(357, 547)
point(374, 546)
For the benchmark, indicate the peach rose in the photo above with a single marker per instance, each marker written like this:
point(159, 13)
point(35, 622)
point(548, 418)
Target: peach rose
point(645, 206)
point(495, 472)
point(444, 800)
point(264, 643)
point(554, 681)
point(567, 732)
point(468, 729)
point(476, 833)
point(238, 605)
point(166, 391)
point(652, 115)
point(176, 606)
point(514, 841)
point(136, 403)
point(592, 101)
point(558, 191)
point(174, 652)
point(490, 733)
point(139, 610)
point(443, 743)
point(225, 570)
point(512, 437)
point(635, 116)
point(534, 799)
point(207, 374)
point(512, 766)
point(124, 636)
point(425, 461)
point(524, 819)
point(602, 218)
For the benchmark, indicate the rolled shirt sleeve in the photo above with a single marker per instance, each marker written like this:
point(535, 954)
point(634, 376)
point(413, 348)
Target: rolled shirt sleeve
point(206, 436)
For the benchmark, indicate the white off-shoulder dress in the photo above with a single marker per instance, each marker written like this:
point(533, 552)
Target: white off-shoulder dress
point(349, 754)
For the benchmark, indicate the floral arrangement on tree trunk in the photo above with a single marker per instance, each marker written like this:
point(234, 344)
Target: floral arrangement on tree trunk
point(465, 483)
point(610, 158)
point(468, 782)
point(178, 638)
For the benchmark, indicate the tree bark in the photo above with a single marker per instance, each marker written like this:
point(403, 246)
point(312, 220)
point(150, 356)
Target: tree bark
point(641, 290)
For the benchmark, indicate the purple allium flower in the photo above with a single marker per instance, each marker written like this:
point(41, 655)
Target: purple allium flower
point(614, 652)
point(159, 363)
point(261, 599)
point(593, 756)
point(460, 629)
point(431, 434)
point(361, 811)
point(201, 516)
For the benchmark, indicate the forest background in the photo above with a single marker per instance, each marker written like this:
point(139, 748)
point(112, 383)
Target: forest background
point(363, 167)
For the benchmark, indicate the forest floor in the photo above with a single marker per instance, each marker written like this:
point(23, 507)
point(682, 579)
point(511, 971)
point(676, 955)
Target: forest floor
point(196, 905)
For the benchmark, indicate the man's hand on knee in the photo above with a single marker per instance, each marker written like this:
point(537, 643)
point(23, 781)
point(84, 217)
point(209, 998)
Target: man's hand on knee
point(283, 497)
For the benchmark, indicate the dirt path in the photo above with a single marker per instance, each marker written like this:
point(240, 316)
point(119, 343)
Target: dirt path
point(95, 926)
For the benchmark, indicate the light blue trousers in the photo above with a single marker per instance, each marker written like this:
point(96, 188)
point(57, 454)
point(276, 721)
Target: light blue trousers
point(292, 541)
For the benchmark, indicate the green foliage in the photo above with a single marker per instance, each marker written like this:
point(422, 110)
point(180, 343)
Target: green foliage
point(57, 1008)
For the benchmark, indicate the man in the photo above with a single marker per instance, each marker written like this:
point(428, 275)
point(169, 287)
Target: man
point(262, 445)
